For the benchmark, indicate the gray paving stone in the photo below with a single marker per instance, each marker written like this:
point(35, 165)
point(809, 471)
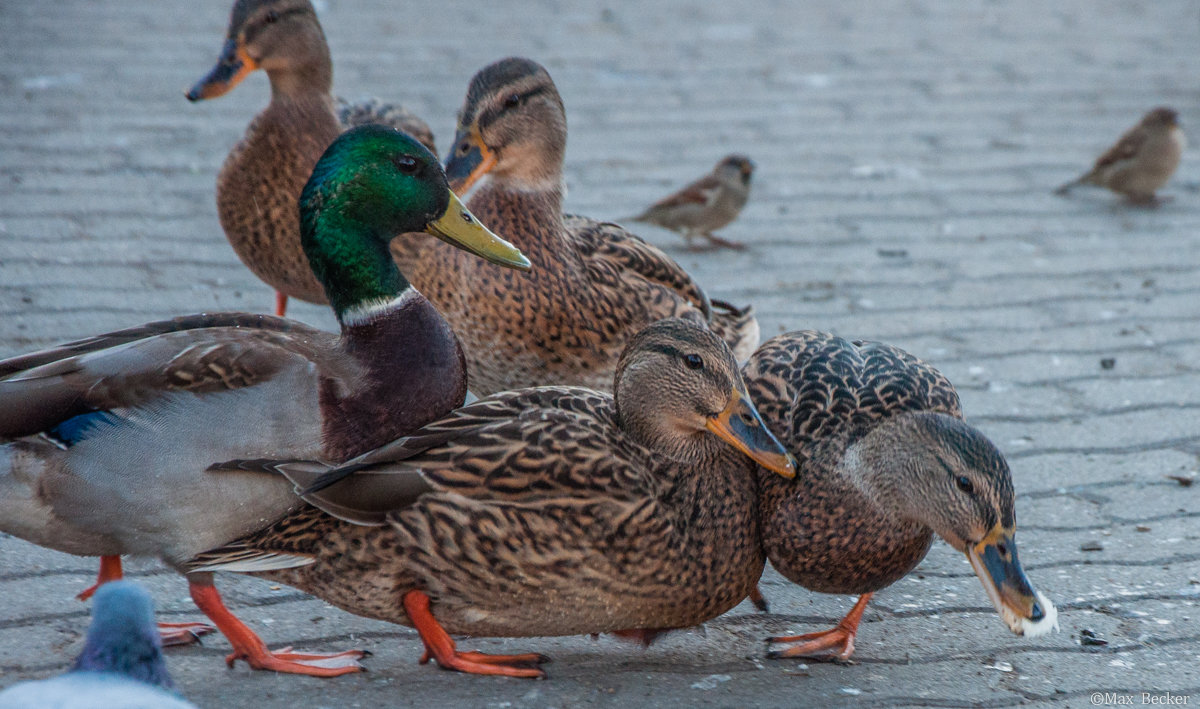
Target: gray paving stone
point(906, 153)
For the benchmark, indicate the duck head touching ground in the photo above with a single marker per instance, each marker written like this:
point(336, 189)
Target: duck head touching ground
point(260, 182)
point(885, 463)
point(542, 511)
point(104, 443)
point(594, 284)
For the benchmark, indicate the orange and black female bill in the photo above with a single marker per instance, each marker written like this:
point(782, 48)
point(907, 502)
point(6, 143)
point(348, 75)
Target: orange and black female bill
point(1024, 610)
point(740, 426)
point(232, 66)
point(469, 161)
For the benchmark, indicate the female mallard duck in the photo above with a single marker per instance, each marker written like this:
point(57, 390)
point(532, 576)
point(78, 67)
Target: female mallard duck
point(107, 439)
point(543, 511)
point(885, 463)
point(594, 285)
point(259, 185)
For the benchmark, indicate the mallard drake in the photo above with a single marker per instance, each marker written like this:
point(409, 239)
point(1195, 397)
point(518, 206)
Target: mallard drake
point(260, 182)
point(1141, 161)
point(594, 285)
point(542, 511)
point(121, 664)
point(106, 440)
point(885, 462)
point(705, 205)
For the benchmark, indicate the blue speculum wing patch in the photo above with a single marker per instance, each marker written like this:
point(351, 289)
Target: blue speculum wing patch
point(77, 428)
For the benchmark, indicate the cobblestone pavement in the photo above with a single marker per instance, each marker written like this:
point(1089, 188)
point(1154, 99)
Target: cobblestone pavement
point(907, 152)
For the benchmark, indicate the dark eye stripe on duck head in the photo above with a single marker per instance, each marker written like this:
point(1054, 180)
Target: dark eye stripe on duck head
point(492, 113)
point(977, 454)
point(708, 372)
point(254, 30)
point(245, 10)
point(518, 75)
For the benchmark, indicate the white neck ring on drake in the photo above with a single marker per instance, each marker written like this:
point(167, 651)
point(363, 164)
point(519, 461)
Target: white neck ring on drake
point(373, 309)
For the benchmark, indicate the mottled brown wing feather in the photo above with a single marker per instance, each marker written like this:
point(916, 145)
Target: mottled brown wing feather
point(370, 110)
point(608, 251)
point(132, 367)
point(1124, 149)
point(816, 390)
point(702, 191)
point(521, 445)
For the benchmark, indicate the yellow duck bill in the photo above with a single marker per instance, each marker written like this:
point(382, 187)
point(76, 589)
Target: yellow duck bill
point(1024, 610)
point(741, 426)
point(458, 227)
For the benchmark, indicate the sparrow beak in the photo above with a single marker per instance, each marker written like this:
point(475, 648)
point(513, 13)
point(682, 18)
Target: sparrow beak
point(1023, 610)
point(232, 66)
point(741, 426)
point(469, 161)
point(458, 227)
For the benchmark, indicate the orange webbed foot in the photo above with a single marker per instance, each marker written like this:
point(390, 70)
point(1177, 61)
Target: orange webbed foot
point(249, 647)
point(835, 644)
point(439, 646)
point(175, 634)
point(297, 663)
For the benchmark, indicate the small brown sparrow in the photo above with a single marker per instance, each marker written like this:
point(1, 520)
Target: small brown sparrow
point(707, 204)
point(1141, 161)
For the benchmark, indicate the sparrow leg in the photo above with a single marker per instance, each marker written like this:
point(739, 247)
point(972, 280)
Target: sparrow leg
point(171, 633)
point(760, 602)
point(249, 647)
point(718, 242)
point(439, 646)
point(280, 304)
point(839, 639)
point(1147, 200)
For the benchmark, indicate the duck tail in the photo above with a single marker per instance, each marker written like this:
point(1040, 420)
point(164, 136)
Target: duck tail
point(737, 326)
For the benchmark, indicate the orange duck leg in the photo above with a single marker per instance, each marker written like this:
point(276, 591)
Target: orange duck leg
point(249, 647)
point(439, 646)
point(170, 633)
point(280, 303)
point(838, 640)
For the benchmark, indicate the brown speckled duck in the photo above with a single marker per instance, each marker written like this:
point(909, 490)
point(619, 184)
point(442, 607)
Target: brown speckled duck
point(104, 443)
point(260, 182)
point(885, 463)
point(543, 511)
point(593, 286)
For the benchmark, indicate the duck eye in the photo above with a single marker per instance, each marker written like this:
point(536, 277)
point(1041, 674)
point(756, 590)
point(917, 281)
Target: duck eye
point(407, 164)
point(512, 101)
point(270, 17)
point(693, 361)
point(964, 484)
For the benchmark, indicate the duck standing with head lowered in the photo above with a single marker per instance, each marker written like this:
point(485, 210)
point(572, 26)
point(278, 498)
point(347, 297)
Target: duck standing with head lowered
point(543, 511)
point(593, 286)
point(885, 463)
point(105, 442)
point(259, 184)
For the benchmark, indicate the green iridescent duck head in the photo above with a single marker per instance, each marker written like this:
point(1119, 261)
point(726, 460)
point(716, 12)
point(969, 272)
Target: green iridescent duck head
point(372, 184)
